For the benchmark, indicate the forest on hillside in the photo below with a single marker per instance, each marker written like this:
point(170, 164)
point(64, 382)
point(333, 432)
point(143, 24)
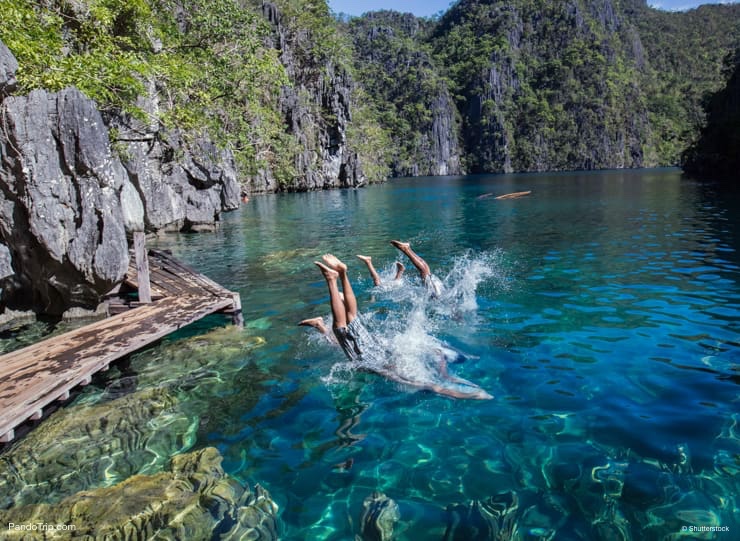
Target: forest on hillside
point(297, 93)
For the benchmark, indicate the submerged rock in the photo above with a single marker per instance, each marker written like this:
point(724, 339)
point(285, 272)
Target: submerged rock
point(195, 500)
point(90, 446)
point(379, 516)
point(493, 519)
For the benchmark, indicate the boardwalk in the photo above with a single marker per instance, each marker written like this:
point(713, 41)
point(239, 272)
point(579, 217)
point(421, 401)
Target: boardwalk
point(33, 377)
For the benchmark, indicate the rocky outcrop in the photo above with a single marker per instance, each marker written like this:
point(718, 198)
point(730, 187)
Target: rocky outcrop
point(184, 185)
point(317, 112)
point(68, 202)
point(8, 67)
point(401, 76)
point(194, 500)
point(62, 195)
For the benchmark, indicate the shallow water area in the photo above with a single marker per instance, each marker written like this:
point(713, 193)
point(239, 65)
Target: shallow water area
point(602, 312)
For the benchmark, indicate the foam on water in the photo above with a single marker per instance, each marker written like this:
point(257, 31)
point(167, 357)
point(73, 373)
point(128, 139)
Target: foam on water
point(404, 329)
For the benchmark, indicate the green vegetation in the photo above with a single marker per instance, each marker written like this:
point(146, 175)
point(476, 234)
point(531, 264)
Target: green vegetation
point(566, 84)
point(717, 152)
point(213, 72)
point(394, 64)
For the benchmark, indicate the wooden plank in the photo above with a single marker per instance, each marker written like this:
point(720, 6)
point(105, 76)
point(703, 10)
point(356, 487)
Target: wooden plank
point(39, 374)
point(7, 437)
point(237, 317)
point(142, 266)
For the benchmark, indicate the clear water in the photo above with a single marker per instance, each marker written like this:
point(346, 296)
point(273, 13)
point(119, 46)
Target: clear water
point(602, 312)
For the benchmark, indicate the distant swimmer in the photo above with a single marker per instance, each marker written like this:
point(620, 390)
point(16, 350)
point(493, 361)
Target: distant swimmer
point(374, 274)
point(431, 282)
point(360, 346)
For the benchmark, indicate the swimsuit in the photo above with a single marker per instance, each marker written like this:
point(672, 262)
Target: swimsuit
point(354, 339)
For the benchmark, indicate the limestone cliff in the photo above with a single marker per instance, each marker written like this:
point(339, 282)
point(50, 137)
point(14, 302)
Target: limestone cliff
point(68, 203)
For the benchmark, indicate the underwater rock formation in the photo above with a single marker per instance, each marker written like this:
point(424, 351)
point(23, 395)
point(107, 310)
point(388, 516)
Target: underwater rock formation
point(195, 500)
point(132, 420)
point(379, 515)
point(92, 446)
point(493, 519)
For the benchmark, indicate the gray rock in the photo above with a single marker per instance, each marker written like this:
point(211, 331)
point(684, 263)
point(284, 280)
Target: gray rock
point(8, 67)
point(60, 210)
point(317, 111)
point(194, 500)
point(6, 262)
point(183, 185)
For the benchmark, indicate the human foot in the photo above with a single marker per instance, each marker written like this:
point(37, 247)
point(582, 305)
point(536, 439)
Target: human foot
point(365, 258)
point(329, 274)
point(312, 322)
point(401, 245)
point(334, 263)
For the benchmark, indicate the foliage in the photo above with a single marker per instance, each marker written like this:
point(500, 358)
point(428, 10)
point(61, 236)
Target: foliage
point(213, 72)
point(717, 152)
point(103, 53)
point(395, 67)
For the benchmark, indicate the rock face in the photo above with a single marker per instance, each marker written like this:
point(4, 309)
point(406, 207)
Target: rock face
point(61, 198)
point(317, 111)
point(195, 500)
point(183, 186)
point(8, 67)
point(401, 77)
point(67, 202)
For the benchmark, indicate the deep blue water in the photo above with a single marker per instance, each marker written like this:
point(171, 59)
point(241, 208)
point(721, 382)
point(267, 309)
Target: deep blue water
point(605, 319)
point(602, 312)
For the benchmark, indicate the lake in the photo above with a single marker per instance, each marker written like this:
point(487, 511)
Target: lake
point(602, 312)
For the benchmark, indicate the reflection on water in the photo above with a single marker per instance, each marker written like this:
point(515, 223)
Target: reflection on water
point(601, 312)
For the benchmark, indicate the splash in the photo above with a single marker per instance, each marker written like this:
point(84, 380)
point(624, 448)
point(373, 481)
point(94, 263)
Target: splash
point(403, 318)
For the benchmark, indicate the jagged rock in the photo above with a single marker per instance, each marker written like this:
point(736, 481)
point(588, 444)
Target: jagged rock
point(388, 48)
point(61, 194)
point(8, 67)
point(317, 111)
point(184, 185)
point(195, 500)
point(6, 262)
point(379, 516)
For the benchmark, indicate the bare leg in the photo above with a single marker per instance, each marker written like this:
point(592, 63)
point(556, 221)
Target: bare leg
point(350, 302)
point(338, 310)
point(399, 270)
point(315, 322)
point(418, 262)
point(369, 262)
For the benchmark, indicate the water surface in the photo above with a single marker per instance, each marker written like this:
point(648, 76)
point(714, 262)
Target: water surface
point(602, 312)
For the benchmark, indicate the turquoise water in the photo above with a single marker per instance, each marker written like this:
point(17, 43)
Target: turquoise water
point(602, 312)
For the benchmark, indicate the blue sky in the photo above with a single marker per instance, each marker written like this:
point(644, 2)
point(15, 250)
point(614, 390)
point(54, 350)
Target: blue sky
point(427, 8)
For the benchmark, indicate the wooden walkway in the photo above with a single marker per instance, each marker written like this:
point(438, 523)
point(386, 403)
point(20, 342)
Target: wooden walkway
point(35, 376)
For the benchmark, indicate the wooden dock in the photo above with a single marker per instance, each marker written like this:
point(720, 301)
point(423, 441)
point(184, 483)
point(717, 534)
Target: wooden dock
point(36, 376)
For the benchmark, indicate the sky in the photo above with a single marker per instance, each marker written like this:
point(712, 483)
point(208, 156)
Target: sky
point(427, 8)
